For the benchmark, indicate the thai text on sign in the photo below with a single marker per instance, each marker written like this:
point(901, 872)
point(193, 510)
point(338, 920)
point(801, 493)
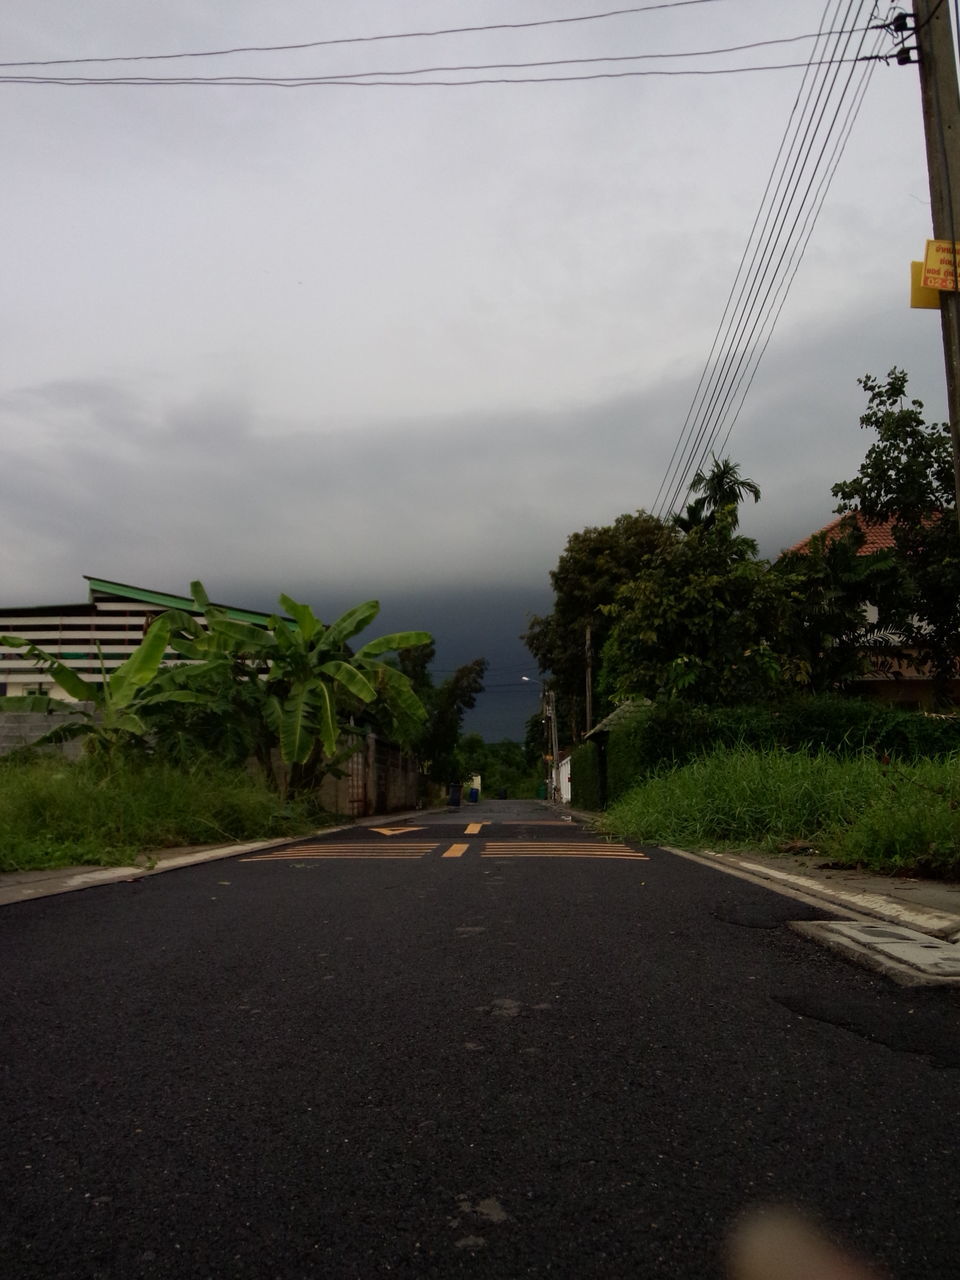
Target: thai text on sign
point(940, 265)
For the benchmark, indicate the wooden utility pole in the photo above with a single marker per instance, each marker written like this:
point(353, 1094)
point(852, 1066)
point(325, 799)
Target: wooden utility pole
point(941, 126)
point(589, 688)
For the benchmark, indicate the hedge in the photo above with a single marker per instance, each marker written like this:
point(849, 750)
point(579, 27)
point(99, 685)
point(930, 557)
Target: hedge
point(586, 789)
point(669, 733)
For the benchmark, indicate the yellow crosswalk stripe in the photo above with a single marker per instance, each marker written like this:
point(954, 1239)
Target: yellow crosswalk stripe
point(456, 851)
point(342, 851)
point(543, 849)
point(474, 828)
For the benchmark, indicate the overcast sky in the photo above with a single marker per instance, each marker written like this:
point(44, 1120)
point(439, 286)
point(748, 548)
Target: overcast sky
point(400, 342)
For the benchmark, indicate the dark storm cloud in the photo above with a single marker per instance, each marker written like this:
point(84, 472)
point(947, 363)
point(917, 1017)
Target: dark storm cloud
point(99, 478)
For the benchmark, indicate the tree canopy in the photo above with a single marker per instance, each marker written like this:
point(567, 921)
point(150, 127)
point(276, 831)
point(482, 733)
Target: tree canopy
point(595, 564)
point(906, 479)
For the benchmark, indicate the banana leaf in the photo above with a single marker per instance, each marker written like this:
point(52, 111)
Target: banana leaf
point(307, 621)
point(351, 622)
point(140, 668)
point(353, 681)
point(296, 738)
point(398, 640)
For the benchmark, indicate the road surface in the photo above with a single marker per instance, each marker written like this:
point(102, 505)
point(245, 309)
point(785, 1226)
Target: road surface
point(480, 1043)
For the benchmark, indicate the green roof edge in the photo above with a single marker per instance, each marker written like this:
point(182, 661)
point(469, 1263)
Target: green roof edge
point(170, 601)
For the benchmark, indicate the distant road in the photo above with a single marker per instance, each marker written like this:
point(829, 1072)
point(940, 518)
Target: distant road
point(423, 1050)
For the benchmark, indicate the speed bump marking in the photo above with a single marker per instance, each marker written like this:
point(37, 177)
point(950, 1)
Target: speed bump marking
point(543, 849)
point(342, 851)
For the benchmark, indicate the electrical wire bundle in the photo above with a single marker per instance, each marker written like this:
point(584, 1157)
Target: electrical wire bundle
point(555, 70)
point(828, 101)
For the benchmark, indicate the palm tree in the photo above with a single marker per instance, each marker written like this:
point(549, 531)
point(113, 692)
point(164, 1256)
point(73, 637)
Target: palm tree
point(722, 488)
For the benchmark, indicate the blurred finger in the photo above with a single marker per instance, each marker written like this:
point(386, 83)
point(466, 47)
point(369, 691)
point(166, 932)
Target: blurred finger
point(776, 1244)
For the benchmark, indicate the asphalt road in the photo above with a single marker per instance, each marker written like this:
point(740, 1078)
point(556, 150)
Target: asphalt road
point(366, 1058)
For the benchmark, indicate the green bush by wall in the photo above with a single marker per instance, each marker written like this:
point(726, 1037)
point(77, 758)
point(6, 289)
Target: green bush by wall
point(672, 733)
point(585, 784)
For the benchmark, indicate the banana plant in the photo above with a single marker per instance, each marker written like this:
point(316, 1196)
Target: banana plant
point(114, 716)
point(304, 674)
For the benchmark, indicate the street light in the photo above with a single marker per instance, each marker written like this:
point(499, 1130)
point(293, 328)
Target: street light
point(550, 712)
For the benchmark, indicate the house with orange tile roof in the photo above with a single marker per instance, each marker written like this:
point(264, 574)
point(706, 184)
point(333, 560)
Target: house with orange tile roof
point(878, 535)
point(895, 680)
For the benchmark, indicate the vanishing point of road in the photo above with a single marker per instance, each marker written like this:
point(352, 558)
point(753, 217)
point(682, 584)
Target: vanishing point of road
point(474, 1043)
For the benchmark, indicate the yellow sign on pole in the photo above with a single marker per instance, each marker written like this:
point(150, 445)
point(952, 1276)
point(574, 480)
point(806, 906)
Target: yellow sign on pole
point(940, 265)
point(919, 296)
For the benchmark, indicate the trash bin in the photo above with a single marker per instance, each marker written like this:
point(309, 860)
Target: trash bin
point(473, 795)
point(541, 791)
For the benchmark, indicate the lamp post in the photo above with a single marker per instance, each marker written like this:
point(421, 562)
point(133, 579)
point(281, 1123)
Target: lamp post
point(549, 704)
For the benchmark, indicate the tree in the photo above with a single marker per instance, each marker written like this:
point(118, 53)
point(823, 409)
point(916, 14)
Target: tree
point(906, 478)
point(445, 704)
point(596, 563)
point(502, 766)
point(722, 488)
point(827, 641)
point(702, 620)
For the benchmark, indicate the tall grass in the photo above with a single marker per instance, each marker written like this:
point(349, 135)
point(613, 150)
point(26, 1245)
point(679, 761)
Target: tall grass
point(857, 811)
point(57, 813)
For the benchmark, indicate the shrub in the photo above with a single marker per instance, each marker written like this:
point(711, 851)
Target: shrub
point(669, 733)
point(741, 797)
point(57, 813)
point(854, 810)
point(585, 791)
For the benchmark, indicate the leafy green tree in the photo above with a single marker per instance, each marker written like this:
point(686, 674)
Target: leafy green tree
point(906, 478)
point(827, 641)
point(595, 564)
point(502, 766)
point(445, 704)
point(702, 620)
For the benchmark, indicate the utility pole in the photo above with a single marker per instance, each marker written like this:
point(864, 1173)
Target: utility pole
point(550, 698)
point(941, 125)
point(589, 688)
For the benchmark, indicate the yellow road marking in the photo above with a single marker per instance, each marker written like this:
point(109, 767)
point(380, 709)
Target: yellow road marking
point(560, 853)
point(456, 851)
point(342, 851)
point(395, 831)
point(538, 849)
point(473, 829)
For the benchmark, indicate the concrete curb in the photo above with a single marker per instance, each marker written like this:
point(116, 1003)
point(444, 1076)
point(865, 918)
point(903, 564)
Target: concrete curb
point(913, 946)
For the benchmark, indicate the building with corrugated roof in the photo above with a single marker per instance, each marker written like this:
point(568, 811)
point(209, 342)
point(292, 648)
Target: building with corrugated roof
point(93, 638)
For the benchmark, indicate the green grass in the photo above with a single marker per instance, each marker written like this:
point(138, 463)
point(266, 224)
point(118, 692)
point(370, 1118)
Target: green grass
point(54, 813)
point(855, 811)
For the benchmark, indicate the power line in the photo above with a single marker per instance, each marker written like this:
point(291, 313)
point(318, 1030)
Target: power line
point(396, 35)
point(694, 424)
point(304, 82)
point(481, 66)
point(736, 310)
point(806, 160)
point(741, 343)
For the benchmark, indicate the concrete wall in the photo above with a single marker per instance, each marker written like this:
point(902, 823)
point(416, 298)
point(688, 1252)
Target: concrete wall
point(22, 728)
point(379, 778)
